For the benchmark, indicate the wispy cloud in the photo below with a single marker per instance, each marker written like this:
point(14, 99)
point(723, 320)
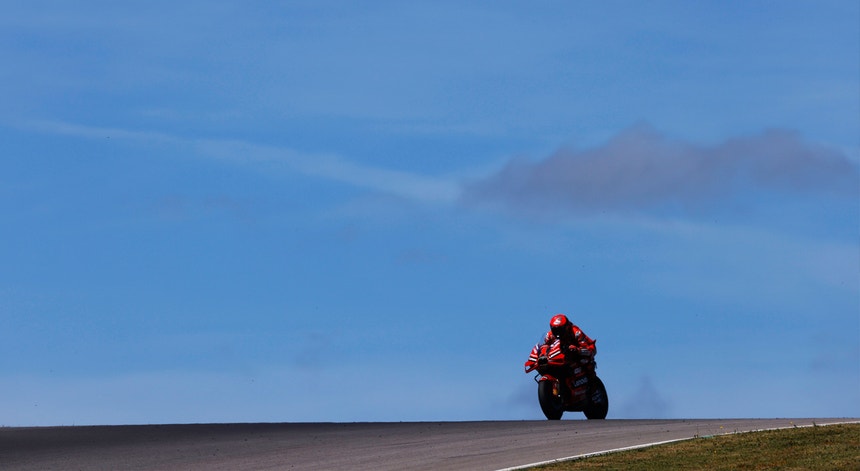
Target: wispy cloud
point(271, 158)
point(95, 132)
point(640, 169)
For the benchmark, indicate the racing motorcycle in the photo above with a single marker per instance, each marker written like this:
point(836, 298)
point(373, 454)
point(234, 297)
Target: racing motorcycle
point(565, 388)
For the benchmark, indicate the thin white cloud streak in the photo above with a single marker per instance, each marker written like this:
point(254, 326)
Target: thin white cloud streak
point(326, 166)
point(96, 132)
point(333, 167)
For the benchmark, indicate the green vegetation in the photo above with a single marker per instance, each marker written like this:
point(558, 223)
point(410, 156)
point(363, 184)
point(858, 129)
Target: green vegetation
point(834, 447)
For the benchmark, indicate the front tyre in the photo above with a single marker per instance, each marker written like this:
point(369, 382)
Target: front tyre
point(551, 402)
point(598, 401)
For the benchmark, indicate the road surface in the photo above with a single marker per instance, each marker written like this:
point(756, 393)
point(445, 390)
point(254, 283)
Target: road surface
point(354, 446)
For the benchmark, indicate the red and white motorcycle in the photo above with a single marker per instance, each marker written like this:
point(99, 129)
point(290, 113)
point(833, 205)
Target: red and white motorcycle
point(565, 388)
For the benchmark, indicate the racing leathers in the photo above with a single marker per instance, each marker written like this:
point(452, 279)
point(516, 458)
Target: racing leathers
point(579, 349)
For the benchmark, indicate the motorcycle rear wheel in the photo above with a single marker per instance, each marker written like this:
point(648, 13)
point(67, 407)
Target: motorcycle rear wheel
point(551, 403)
point(598, 401)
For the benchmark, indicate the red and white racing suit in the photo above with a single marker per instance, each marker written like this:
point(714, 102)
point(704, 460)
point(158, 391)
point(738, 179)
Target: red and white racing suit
point(579, 349)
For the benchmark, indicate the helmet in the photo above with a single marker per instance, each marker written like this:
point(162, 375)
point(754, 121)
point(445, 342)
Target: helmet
point(559, 325)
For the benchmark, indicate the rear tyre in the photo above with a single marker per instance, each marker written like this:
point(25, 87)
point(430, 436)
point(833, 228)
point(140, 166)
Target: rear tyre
point(551, 402)
point(598, 401)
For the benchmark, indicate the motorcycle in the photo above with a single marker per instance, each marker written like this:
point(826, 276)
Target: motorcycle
point(563, 387)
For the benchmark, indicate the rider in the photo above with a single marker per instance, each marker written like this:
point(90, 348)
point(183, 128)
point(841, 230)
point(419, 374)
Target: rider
point(578, 347)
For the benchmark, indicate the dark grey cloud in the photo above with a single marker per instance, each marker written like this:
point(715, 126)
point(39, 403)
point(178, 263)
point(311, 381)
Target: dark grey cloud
point(641, 169)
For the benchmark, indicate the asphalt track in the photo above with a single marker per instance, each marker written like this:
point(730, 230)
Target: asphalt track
point(354, 446)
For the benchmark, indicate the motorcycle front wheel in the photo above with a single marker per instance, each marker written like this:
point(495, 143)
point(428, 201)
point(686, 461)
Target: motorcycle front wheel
point(551, 402)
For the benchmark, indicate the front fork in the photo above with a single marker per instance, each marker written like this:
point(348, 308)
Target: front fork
point(556, 383)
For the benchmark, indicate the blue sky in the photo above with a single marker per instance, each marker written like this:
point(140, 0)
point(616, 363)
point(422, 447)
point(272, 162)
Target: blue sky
point(339, 211)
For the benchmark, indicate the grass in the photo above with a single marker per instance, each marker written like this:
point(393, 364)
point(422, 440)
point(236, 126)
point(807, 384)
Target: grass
point(833, 447)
